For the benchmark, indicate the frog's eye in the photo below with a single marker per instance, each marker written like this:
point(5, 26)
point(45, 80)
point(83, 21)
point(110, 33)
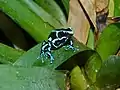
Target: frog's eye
point(70, 28)
point(69, 31)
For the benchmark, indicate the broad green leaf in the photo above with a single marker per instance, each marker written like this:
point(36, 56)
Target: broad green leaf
point(26, 18)
point(116, 8)
point(77, 79)
point(61, 55)
point(109, 41)
point(109, 74)
point(45, 16)
point(9, 55)
point(53, 9)
point(35, 78)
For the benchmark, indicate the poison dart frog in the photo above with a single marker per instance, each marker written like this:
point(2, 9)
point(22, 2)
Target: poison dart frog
point(57, 39)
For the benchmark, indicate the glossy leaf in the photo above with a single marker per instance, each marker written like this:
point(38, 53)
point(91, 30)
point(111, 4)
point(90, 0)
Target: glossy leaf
point(26, 18)
point(35, 78)
point(109, 41)
point(108, 76)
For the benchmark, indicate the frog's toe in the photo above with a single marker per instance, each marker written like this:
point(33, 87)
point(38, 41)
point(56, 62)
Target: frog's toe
point(38, 57)
point(76, 49)
point(65, 47)
point(51, 59)
point(73, 48)
point(42, 61)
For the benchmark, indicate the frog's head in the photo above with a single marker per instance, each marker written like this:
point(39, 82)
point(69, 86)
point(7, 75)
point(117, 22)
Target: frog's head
point(69, 31)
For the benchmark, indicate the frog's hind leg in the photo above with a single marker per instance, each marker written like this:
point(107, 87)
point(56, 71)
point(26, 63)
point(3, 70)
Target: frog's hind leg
point(50, 56)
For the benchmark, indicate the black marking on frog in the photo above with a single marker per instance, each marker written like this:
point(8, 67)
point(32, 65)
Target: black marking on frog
point(57, 39)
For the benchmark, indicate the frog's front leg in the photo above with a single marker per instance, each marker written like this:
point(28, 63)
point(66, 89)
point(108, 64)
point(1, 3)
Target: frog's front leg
point(70, 46)
point(41, 56)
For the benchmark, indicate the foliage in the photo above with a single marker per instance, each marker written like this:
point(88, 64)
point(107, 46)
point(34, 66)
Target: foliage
point(94, 66)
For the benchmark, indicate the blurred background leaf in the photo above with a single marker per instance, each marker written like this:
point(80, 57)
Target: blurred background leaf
point(108, 75)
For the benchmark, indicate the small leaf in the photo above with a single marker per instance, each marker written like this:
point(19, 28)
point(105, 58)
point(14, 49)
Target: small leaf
point(90, 41)
point(77, 79)
point(108, 75)
point(111, 8)
point(9, 55)
point(35, 78)
point(109, 41)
